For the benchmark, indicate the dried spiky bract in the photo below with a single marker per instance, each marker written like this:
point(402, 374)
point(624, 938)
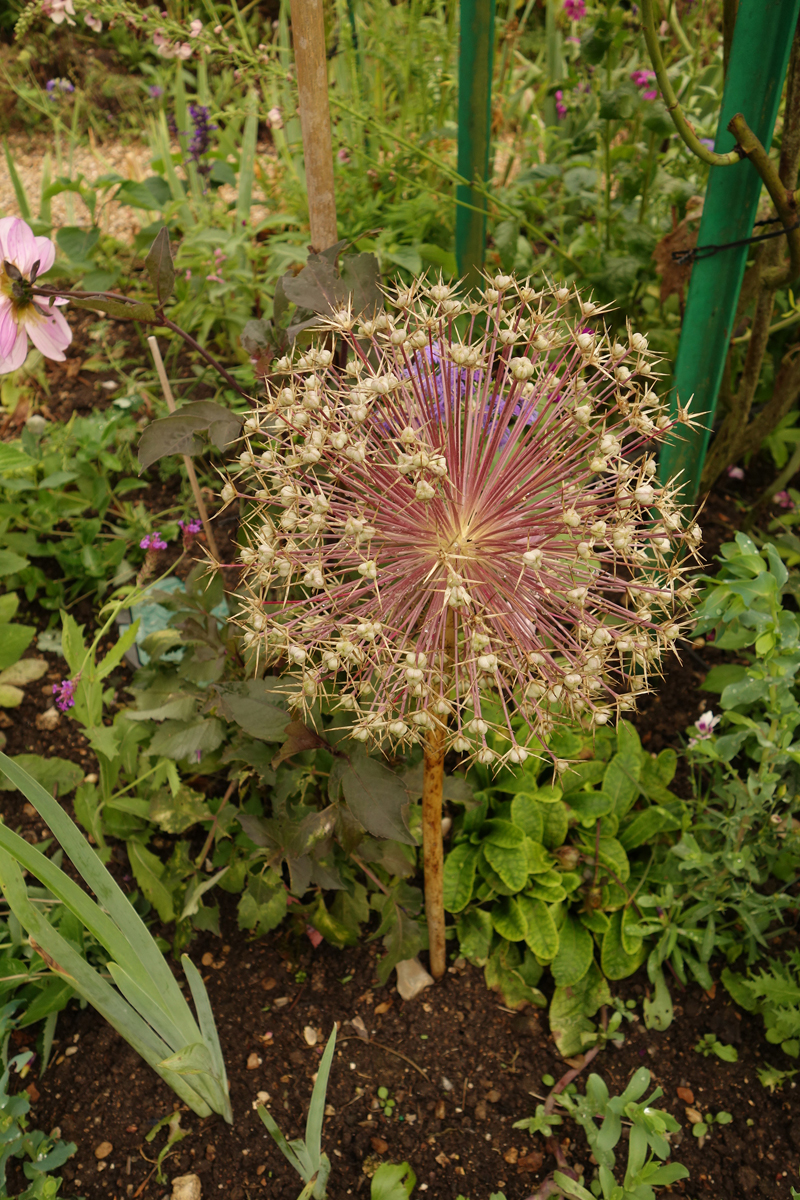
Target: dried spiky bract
point(462, 527)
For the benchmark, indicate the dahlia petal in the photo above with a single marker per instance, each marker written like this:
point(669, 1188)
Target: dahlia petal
point(49, 333)
point(45, 253)
point(21, 246)
point(18, 354)
point(8, 328)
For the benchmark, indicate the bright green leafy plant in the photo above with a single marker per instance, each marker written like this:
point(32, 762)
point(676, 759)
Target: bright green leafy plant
point(41, 1155)
point(773, 992)
point(148, 1010)
point(710, 1044)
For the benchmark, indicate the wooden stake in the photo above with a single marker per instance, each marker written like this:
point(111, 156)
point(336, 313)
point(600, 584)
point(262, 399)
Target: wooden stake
point(308, 37)
point(187, 462)
point(432, 850)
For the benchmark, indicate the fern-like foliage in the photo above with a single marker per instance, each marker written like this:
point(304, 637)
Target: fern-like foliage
point(773, 993)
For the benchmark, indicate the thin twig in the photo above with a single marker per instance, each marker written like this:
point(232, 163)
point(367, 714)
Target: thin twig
point(190, 471)
point(389, 1050)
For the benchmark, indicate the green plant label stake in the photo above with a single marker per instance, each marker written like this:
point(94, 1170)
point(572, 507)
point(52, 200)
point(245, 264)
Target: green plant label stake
point(475, 61)
point(762, 41)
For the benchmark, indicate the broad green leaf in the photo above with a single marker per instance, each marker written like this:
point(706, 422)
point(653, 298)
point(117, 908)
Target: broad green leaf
point(13, 459)
point(575, 953)
point(393, 1181)
point(117, 652)
point(617, 962)
point(620, 781)
point(10, 696)
point(510, 864)
point(175, 813)
point(147, 871)
point(613, 856)
point(187, 739)
point(556, 824)
point(179, 433)
point(571, 1009)
point(73, 647)
point(104, 739)
point(56, 775)
point(263, 906)
point(549, 794)
point(159, 266)
point(459, 876)
point(14, 641)
point(190, 1060)
point(377, 799)
point(542, 936)
point(589, 806)
point(718, 678)
point(27, 670)
point(514, 977)
point(178, 706)
point(474, 932)
point(11, 563)
point(503, 834)
point(658, 1010)
point(645, 826)
point(509, 920)
point(332, 930)
point(539, 861)
point(527, 815)
point(256, 707)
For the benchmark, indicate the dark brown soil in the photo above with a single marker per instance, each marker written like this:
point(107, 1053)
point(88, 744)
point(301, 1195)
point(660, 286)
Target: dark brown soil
point(461, 1068)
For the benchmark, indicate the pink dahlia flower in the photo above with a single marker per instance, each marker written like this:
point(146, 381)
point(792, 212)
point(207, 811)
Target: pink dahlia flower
point(462, 530)
point(23, 260)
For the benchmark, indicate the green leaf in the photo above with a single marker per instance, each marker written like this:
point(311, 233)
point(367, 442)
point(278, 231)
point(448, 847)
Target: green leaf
point(538, 859)
point(571, 1009)
point(256, 707)
point(56, 775)
point(575, 953)
point(180, 432)
point(377, 799)
point(527, 815)
point(459, 876)
point(509, 920)
point(503, 834)
point(645, 826)
point(542, 936)
point(185, 739)
point(104, 739)
point(514, 977)
point(117, 652)
point(11, 563)
point(147, 871)
point(616, 960)
point(393, 1181)
point(263, 906)
point(333, 931)
point(658, 1010)
point(589, 806)
point(556, 824)
point(612, 855)
point(510, 864)
point(620, 781)
point(190, 1060)
point(177, 813)
point(718, 678)
point(10, 697)
point(14, 641)
point(474, 932)
point(159, 266)
point(27, 670)
point(118, 309)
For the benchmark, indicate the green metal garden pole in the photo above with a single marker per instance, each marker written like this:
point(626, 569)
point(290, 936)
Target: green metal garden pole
point(759, 56)
point(475, 61)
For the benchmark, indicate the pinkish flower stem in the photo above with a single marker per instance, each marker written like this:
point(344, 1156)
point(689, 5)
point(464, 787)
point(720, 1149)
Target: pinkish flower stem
point(432, 850)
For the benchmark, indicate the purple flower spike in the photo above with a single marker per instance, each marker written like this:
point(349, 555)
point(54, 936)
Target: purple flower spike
point(64, 693)
point(575, 9)
point(153, 541)
point(155, 92)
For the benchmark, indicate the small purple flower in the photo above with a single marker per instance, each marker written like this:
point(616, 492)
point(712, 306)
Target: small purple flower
point(561, 107)
point(735, 473)
point(575, 9)
point(707, 142)
point(155, 92)
point(153, 541)
point(643, 78)
point(64, 693)
point(190, 528)
point(201, 137)
point(51, 85)
point(783, 499)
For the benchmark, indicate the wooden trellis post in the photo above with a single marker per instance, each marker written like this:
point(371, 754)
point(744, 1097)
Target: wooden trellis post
point(308, 37)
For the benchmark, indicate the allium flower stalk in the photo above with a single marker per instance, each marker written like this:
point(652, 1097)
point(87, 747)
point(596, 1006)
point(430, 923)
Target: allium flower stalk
point(460, 540)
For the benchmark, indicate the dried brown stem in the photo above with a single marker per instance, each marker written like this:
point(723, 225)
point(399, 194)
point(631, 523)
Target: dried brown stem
point(783, 199)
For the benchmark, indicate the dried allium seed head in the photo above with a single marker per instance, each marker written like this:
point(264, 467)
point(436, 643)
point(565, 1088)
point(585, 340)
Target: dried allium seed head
point(445, 538)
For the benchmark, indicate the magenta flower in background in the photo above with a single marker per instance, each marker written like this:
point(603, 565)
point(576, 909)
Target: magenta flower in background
point(153, 541)
point(155, 92)
point(561, 108)
point(783, 499)
point(23, 260)
point(190, 527)
point(643, 78)
point(735, 473)
point(457, 532)
point(575, 9)
point(64, 693)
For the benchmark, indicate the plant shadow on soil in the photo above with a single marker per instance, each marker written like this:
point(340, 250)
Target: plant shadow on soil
point(460, 1066)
